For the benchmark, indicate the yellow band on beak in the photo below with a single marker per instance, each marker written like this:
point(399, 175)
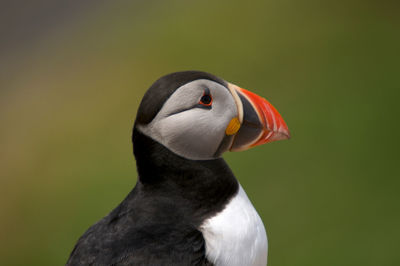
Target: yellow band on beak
point(232, 127)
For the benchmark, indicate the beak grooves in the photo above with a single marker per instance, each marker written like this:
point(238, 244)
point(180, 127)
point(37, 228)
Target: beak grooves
point(275, 127)
point(261, 123)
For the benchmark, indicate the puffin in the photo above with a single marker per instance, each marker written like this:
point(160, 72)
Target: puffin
point(187, 207)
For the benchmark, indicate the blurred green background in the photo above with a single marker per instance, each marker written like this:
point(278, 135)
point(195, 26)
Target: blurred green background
point(72, 75)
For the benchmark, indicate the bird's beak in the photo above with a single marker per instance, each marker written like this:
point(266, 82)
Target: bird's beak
point(259, 121)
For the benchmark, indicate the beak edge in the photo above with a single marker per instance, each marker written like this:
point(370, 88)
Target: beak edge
point(274, 127)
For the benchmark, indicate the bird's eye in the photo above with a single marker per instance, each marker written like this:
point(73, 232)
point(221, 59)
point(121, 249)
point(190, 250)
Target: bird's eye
point(206, 99)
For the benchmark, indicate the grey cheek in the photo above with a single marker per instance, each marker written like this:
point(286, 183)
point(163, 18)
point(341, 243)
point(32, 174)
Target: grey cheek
point(225, 145)
point(195, 140)
point(191, 132)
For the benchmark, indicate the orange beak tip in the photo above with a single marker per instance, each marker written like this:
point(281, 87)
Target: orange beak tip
point(262, 123)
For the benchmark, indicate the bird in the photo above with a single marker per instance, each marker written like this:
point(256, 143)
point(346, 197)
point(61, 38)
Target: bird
point(187, 207)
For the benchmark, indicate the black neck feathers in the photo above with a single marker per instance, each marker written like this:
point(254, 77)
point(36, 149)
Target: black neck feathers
point(203, 187)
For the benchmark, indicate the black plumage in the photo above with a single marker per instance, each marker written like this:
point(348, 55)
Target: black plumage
point(158, 222)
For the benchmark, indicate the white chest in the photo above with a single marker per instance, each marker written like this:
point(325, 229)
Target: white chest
point(236, 236)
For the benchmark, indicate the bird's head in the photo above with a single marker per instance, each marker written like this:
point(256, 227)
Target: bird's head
point(199, 116)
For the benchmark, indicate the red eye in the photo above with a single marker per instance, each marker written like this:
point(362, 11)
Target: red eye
point(206, 100)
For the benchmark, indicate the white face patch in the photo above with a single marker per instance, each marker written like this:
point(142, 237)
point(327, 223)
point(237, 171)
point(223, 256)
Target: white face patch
point(236, 235)
point(186, 128)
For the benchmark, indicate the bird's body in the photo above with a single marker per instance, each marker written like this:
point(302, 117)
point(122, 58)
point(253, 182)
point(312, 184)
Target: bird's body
point(187, 207)
point(236, 235)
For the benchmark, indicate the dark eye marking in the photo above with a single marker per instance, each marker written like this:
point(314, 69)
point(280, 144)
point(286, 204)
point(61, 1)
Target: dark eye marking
point(204, 103)
point(206, 99)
